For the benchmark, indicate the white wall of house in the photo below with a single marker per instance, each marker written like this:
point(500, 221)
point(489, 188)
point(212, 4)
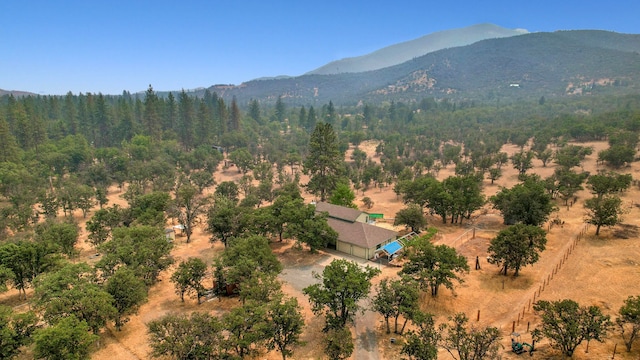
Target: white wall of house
point(358, 251)
point(363, 218)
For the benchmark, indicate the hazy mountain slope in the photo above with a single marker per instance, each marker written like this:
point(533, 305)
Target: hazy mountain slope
point(15, 93)
point(537, 63)
point(399, 53)
point(549, 64)
point(603, 39)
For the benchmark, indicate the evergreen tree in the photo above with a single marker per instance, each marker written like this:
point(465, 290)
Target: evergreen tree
point(325, 162)
point(222, 118)
point(302, 118)
point(70, 114)
point(331, 116)
point(204, 124)
point(235, 116)
point(103, 123)
point(126, 126)
point(152, 112)
point(254, 111)
point(280, 109)
point(186, 119)
point(9, 150)
point(24, 128)
point(312, 118)
point(170, 113)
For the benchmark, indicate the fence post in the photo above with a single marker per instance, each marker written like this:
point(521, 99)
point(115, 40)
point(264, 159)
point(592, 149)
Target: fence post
point(614, 350)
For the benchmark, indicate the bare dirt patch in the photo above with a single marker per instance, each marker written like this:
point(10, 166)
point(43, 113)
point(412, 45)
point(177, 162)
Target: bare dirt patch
point(599, 271)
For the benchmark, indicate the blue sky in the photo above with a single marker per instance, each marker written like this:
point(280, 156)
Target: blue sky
point(107, 46)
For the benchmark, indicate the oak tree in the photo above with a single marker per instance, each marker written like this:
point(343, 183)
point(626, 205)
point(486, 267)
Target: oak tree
point(128, 293)
point(469, 342)
point(188, 278)
point(181, 337)
point(567, 324)
point(284, 325)
point(628, 320)
point(343, 284)
point(604, 211)
point(68, 339)
point(517, 246)
point(433, 266)
point(396, 298)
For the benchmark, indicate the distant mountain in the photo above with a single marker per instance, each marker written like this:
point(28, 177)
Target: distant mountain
point(561, 63)
point(405, 51)
point(15, 93)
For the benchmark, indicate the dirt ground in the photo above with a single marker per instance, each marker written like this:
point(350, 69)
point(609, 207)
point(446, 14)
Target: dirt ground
point(592, 270)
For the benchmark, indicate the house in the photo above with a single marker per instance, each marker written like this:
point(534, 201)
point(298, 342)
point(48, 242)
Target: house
point(356, 236)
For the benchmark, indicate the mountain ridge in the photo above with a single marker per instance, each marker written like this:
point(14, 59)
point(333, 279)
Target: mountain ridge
point(404, 51)
point(539, 64)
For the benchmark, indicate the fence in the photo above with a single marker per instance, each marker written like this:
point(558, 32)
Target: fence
point(526, 312)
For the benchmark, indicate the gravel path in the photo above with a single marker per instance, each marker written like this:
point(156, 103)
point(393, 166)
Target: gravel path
point(366, 346)
point(301, 276)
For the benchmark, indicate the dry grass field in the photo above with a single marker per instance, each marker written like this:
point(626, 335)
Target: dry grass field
point(592, 270)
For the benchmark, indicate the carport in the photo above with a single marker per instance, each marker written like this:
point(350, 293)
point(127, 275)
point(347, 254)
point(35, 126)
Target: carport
point(392, 248)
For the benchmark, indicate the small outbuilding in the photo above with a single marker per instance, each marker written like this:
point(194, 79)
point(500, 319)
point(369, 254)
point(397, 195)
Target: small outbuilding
point(170, 234)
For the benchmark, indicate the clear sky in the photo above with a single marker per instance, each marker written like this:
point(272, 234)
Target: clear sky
point(107, 46)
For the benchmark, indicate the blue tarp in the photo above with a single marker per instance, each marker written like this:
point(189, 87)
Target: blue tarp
point(392, 247)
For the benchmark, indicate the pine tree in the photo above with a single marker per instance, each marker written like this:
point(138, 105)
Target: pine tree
point(151, 117)
point(103, 123)
point(70, 114)
point(302, 117)
point(254, 111)
point(24, 130)
point(186, 119)
point(330, 116)
point(222, 117)
point(203, 124)
point(170, 113)
point(311, 118)
point(234, 120)
point(9, 150)
point(82, 116)
point(280, 109)
point(324, 163)
point(125, 126)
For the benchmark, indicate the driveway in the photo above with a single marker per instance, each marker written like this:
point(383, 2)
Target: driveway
point(301, 276)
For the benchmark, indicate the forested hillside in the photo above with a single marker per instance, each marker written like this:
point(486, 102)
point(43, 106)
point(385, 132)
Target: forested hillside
point(508, 69)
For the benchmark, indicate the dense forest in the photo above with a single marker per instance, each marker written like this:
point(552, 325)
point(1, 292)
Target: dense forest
point(63, 153)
